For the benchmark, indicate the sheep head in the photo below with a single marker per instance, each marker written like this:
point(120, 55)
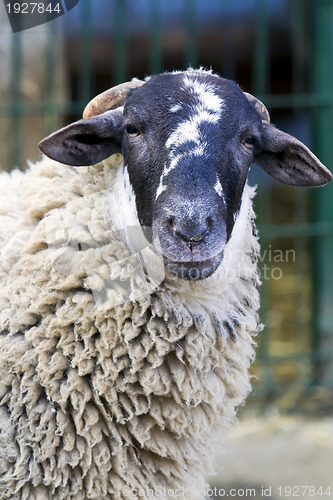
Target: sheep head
point(188, 140)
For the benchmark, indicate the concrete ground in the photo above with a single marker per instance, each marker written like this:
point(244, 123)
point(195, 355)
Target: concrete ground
point(278, 458)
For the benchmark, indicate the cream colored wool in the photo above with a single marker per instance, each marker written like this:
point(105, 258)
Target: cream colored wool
point(116, 381)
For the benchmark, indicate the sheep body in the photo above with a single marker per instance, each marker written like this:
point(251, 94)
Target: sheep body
point(114, 382)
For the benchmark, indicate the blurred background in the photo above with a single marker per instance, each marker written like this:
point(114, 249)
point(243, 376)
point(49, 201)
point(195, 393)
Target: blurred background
point(282, 52)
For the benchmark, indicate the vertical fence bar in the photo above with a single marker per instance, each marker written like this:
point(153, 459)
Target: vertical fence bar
point(298, 40)
point(51, 121)
point(260, 84)
point(302, 327)
point(323, 261)
point(16, 118)
point(155, 49)
point(191, 35)
point(84, 89)
point(121, 41)
point(260, 76)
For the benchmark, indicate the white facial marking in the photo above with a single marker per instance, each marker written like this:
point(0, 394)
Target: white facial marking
point(160, 189)
point(207, 109)
point(175, 107)
point(218, 188)
point(188, 131)
point(197, 151)
point(206, 94)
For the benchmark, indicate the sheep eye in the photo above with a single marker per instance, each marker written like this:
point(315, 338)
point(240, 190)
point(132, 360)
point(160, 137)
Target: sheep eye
point(132, 131)
point(249, 142)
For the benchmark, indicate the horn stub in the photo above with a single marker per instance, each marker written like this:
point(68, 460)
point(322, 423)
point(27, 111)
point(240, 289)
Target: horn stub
point(111, 98)
point(259, 106)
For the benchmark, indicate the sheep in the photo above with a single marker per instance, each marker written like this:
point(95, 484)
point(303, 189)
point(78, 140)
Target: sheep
point(129, 289)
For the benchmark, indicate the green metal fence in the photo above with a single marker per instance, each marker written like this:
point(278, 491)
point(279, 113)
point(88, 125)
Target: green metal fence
point(296, 347)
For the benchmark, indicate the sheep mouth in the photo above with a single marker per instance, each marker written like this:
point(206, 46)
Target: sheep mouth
point(193, 270)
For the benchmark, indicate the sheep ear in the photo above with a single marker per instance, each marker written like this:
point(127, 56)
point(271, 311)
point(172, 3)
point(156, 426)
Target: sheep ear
point(86, 142)
point(289, 160)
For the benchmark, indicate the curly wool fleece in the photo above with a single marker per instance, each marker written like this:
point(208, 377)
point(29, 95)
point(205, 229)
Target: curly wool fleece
point(115, 379)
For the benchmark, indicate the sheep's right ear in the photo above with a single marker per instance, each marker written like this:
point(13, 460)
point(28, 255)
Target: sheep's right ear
point(86, 142)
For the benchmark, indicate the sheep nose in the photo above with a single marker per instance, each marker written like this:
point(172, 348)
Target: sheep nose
point(191, 232)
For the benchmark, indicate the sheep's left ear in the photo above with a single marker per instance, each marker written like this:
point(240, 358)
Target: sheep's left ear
point(86, 142)
point(289, 160)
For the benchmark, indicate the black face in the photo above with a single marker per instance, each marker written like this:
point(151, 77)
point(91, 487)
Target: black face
point(188, 140)
point(188, 154)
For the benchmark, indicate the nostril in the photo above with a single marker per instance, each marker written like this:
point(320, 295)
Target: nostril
point(181, 235)
point(190, 238)
point(199, 237)
point(190, 230)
